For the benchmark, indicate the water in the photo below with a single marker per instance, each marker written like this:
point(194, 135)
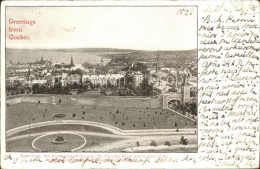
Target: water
point(79, 57)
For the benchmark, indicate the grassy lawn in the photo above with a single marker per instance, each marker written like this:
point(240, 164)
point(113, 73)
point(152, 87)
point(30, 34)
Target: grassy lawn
point(123, 118)
point(63, 127)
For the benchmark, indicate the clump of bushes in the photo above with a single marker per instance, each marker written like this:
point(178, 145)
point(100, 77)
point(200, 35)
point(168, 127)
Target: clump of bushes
point(183, 141)
point(167, 143)
point(153, 143)
point(137, 144)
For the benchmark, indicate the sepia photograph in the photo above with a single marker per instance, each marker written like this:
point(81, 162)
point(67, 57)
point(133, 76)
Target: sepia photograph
point(112, 79)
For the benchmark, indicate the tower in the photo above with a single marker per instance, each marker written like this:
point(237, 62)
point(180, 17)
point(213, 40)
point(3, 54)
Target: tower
point(185, 92)
point(48, 65)
point(71, 61)
point(102, 61)
point(29, 71)
point(28, 78)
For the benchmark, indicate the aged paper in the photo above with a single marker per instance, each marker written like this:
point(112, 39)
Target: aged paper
point(130, 84)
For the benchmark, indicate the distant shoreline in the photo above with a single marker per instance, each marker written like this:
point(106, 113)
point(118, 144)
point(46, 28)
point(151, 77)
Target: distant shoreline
point(98, 49)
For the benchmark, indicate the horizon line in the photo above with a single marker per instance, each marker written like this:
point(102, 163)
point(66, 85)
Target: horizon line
point(103, 48)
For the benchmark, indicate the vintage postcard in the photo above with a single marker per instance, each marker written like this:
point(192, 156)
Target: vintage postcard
point(130, 84)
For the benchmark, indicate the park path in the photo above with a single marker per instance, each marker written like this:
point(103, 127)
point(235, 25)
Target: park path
point(143, 140)
point(128, 143)
point(181, 115)
point(107, 127)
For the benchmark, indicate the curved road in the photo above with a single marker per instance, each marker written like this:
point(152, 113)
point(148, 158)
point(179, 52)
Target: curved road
point(128, 143)
point(110, 128)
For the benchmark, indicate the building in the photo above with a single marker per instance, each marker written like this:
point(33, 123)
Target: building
point(40, 82)
point(185, 90)
point(60, 78)
point(78, 66)
point(185, 93)
point(161, 87)
point(73, 79)
point(16, 80)
point(138, 78)
point(103, 80)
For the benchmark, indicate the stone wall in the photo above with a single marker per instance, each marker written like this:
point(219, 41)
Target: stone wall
point(117, 101)
point(120, 102)
point(14, 100)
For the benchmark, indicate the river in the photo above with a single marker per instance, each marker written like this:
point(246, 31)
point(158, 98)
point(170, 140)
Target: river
point(79, 57)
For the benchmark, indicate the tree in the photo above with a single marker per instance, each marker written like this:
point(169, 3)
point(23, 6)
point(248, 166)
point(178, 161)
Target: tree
point(182, 108)
point(193, 107)
point(98, 86)
point(66, 90)
point(129, 80)
point(122, 81)
point(22, 91)
point(56, 80)
point(58, 88)
point(137, 144)
point(153, 143)
point(43, 89)
point(80, 91)
point(167, 143)
point(35, 88)
point(147, 89)
point(77, 71)
point(75, 85)
point(184, 141)
point(51, 90)
point(139, 67)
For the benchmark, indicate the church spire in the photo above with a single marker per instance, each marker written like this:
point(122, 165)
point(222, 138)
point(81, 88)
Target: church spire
point(29, 71)
point(71, 61)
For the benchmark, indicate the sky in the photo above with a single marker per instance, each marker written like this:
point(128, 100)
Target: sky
point(143, 28)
